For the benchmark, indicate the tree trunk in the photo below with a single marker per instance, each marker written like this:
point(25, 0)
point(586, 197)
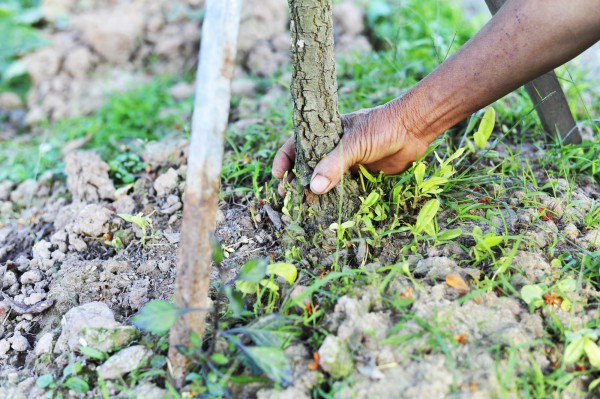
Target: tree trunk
point(317, 124)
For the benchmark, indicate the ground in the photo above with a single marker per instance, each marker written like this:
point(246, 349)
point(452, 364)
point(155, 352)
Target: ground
point(474, 274)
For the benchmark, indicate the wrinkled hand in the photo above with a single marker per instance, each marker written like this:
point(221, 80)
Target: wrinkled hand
point(376, 138)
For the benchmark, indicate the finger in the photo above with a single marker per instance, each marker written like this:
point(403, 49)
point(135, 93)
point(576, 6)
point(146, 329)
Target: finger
point(329, 170)
point(284, 159)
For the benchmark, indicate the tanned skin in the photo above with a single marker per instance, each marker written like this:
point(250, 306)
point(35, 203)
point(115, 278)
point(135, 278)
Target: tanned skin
point(525, 39)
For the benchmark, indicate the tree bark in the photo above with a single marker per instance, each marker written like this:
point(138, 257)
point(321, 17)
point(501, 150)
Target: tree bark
point(317, 124)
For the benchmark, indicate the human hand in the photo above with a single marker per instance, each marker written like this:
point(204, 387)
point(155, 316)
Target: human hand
point(377, 138)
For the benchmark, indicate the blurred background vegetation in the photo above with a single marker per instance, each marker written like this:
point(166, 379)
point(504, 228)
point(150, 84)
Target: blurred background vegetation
point(410, 38)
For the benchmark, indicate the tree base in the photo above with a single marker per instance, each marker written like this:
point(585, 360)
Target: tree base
point(316, 213)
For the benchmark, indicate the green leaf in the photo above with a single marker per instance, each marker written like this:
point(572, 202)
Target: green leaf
point(366, 174)
point(348, 224)
point(246, 287)
point(18, 39)
point(371, 199)
point(574, 351)
point(15, 69)
point(195, 341)
point(567, 285)
point(254, 270)
point(287, 271)
point(448, 235)
point(157, 317)
point(486, 126)
point(531, 293)
point(44, 381)
point(480, 141)
point(493, 241)
point(592, 351)
point(378, 9)
point(93, 353)
point(77, 384)
point(72, 368)
point(217, 250)
point(219, 359)
point(452, 157)
point(126, 217)
point(594, 384)
point(236, 301)
point(426, 215)
point(271, 286)
point(271, 330)
point(433, 184)
point(419, 173)
point(273, 362)
point(566, 305)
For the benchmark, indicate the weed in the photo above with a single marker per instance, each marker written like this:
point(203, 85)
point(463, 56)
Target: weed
point(144, 223)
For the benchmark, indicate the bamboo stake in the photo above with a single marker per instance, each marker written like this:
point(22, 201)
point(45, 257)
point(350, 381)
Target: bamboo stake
point(209, 122)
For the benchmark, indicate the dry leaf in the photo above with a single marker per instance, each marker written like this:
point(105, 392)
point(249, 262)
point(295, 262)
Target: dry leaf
point(461, 338)
point(315, 364)
point(455, 281)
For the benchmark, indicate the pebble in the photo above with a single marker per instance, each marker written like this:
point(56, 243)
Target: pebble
point(34, 298)
point(31, 277)
point(123, 362)
point(4, 348)
point(44, 344)
point(19, 343)
point(9, 278)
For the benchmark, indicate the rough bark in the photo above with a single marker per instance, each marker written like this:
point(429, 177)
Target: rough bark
point(317, 124)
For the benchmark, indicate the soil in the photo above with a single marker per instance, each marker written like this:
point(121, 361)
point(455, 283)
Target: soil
point(56, 234)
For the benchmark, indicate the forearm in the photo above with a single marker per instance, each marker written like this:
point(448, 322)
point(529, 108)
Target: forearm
point(525, 39)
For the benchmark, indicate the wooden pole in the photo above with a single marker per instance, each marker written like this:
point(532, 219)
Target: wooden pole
point(209, 122)
point(550, 100)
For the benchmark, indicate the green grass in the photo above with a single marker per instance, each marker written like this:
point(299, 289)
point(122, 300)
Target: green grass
point(413, 37)
point(123, 125)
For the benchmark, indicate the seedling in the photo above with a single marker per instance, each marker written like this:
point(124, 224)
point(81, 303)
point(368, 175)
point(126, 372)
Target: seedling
point(484, 243)
point(486, 126)
point(583, 343)
point(144, 222)
point(70, 380)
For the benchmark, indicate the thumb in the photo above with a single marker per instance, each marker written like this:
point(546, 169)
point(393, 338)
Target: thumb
point(329, 170)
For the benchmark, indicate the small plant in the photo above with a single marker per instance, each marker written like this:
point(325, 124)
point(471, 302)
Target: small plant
point(125, 166)
point(583, 343)
point(68, 380)
point(426, 188)
point(19, 37)
point(536, 295)
point(486, 127)
point(342, 229)
point(144, 222)
point(484, 243)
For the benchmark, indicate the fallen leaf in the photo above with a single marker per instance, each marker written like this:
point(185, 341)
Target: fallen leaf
point(407, 293)
point(461, 338)
point(315, 364)
point(274, 216)
point(455, 281)
point(552, 299)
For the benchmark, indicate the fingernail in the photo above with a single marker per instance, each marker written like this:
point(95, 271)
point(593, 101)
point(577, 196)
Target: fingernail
point(319, 184)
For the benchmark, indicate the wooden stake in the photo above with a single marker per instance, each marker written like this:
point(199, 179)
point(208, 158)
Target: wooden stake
point(211, 112)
